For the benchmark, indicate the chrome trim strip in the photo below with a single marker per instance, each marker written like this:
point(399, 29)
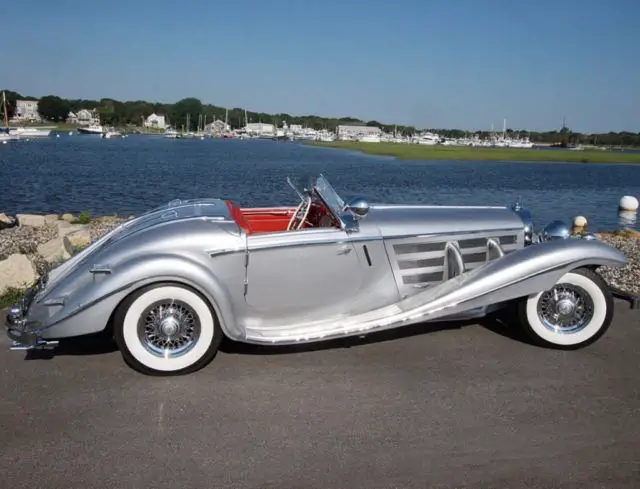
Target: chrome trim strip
point(224, 251)
point(421, 263)
point(422, 278)
point(453, 236)
point(494, 245)
point(318, 242)
point(418, 206)
point(452, 252)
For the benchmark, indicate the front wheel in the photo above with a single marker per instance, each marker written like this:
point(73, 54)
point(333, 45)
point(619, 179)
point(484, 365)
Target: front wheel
point(574, 313)
point(166, 329)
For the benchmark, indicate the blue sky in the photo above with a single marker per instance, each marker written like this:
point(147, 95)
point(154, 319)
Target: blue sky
point(449, 63)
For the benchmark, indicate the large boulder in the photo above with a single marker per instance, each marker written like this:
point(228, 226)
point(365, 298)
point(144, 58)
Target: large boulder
point(51, 218)
point(7, 221)
point(16, 271)
point(53, 251)
point(65, 227)
point(76, 240)
point(32, 220)
point(67, 217)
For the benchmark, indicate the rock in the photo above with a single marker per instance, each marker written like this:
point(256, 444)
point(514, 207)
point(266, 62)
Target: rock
point(7, 221)
point(67, 217)
point(16, 271)
point(51, 218)
point(32, 220)
point(53, 251)
point(65, 227)
point(25, 239)
point(77, 239)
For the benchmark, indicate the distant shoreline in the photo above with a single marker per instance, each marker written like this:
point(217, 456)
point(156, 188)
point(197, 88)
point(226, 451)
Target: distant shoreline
point(466, 153)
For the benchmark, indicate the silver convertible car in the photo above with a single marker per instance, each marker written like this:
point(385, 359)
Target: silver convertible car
point(172, 283)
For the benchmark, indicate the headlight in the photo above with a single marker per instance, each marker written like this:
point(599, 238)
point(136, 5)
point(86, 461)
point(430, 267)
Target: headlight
point(555, 230)
point(527, 220)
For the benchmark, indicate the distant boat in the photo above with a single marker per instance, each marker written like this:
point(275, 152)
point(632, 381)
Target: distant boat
point(30, 132)
point(170, 133)
point(5, 137)
point(91, 129)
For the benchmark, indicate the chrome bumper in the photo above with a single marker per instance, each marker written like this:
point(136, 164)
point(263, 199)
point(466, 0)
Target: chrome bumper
point(28, 341)
point(16, 321)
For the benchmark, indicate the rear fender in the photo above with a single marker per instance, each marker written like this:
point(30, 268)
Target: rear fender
point(110, 287)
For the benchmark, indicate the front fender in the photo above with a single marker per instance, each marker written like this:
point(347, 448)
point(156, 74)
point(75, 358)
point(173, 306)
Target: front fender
point(105, 289)
point(528, 271)
point(519, 274)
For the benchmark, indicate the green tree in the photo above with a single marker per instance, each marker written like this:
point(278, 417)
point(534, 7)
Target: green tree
point(187, 106)
point(11, 97)
point(53, 108)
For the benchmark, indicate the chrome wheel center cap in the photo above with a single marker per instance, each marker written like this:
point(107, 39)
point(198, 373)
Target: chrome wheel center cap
point(565, 307)
point(169, 326)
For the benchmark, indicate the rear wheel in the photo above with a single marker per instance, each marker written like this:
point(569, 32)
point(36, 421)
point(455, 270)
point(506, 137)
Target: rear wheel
point(574, 313)
point(166, 329)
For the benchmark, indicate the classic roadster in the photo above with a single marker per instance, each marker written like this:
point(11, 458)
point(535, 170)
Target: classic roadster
point(171, 283)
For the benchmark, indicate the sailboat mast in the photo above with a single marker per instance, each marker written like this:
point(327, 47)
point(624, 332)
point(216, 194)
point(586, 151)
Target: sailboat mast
point(6, 115)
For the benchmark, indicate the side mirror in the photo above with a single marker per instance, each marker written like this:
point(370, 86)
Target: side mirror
point(358, 207)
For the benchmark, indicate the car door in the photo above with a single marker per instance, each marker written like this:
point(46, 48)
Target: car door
point(310, 273)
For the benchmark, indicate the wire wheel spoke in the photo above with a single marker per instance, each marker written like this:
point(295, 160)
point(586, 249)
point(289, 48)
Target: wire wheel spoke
point(566, 308)
point(169, 328)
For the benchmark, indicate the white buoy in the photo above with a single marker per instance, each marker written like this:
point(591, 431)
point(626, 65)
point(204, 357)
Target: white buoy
point(70, 133)
point(57, 135)
point(628, 203)
point(579, 221)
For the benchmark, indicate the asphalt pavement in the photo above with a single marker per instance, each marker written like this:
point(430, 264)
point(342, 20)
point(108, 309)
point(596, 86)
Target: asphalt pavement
point(457, 405)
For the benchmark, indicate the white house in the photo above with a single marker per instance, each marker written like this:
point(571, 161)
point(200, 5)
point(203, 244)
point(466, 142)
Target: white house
point(260, 128)
point(217, 126)
point(83, 117)
point(156, 121)
point(26, 110)
point(349, 132)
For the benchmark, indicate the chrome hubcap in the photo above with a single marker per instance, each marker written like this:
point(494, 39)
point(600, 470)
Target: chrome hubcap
point(168, 328)
point(566, 308)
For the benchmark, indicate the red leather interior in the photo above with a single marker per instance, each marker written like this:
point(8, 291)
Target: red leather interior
point(272, 219)
point(262, 219)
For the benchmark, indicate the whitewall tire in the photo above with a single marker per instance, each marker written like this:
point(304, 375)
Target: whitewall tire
point(574, 313)
point(166, 329)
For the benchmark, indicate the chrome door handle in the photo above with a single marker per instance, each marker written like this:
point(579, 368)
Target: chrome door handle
point(344, 250)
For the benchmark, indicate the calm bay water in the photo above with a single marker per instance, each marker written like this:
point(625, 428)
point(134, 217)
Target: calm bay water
point(129, 176)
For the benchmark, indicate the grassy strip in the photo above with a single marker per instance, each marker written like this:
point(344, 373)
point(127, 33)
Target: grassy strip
point(11, 296)
point(424, 152)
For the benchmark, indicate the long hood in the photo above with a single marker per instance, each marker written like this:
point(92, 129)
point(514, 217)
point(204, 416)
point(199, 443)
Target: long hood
point(403, 220)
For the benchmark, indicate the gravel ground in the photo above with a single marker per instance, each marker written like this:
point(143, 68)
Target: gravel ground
point(626, 278)
point(25, 240)
point(103, 225)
